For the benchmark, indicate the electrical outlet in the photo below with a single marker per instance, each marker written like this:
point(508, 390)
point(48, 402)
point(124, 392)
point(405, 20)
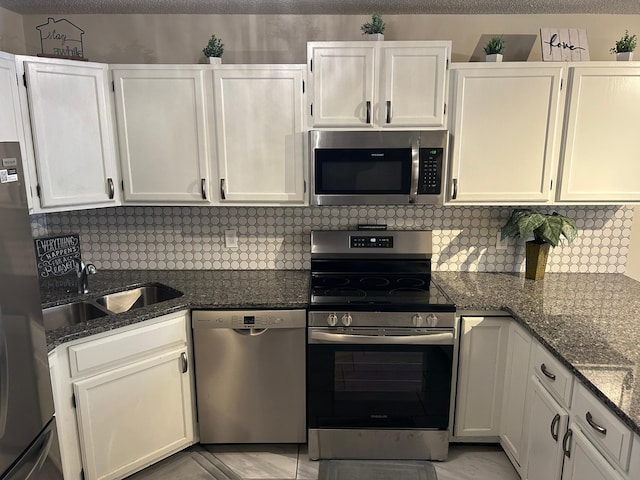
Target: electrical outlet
point(231, 238)
point(501, 244)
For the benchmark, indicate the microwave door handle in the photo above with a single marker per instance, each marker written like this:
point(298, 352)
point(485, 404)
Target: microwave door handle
point(442, 338)
point(415, 170)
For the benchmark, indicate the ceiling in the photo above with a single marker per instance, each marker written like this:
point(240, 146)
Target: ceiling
point(310, 7)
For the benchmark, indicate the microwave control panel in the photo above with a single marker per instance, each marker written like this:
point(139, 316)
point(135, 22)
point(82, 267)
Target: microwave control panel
point(430, 173)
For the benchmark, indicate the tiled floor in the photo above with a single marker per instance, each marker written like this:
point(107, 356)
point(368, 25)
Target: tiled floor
point(290, 462)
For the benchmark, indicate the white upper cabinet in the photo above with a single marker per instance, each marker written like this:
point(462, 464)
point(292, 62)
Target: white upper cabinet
point(11, 126)
point(601, 141)
point(378, 84)
point(504, 133)
point(260, 133)
point(71, 122)
point(163, 132)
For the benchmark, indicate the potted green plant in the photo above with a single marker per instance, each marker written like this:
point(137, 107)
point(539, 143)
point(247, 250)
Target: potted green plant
point(374, 29)
point(214, 50)
point(547, 231)
point(494, 49)
point(625, 46)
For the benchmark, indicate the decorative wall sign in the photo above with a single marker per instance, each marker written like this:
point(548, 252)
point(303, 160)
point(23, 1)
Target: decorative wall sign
point(55, 257)
point(564, 44)
point(61, 38)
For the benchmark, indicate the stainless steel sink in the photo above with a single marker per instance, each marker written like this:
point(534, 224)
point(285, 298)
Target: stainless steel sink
point(70, 313)
point(137, 297)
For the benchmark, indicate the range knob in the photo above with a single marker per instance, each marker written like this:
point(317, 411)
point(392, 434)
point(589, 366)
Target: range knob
point(432, 320)
point(332, 319)
point(417, 320)
point(346, 319)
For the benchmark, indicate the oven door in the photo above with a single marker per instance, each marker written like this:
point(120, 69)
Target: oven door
point(358, 378)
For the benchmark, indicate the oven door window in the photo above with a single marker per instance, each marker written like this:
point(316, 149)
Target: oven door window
point(363, 171)
point(379, 386)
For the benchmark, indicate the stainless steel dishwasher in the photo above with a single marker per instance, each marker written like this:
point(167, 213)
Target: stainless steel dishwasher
point(250, 375)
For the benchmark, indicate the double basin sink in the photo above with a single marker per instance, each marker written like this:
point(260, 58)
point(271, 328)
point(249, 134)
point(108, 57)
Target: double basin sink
point(70, 314)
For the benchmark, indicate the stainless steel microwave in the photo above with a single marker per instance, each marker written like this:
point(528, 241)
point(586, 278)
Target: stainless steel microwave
point(378, 168)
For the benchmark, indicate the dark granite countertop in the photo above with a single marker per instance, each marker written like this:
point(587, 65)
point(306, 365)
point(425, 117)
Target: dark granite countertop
point(223, 289)
point(591, 322)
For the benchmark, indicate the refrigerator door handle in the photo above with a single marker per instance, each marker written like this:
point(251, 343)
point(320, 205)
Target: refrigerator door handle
point(4, 375)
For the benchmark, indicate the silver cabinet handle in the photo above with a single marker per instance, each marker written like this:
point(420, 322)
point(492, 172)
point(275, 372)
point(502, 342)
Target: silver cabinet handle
point(223, 195)
point(555, 425)
point(368, 111)
point(184, 361)
point(388, 111)
point(203, 188)
point(112, 190)
point(455, 189)
point(594, 425)
point(547, 373)
point(566, 447)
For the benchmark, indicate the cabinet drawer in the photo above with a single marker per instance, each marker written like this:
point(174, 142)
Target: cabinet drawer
point(602, 427)
point(168, 332)
point(554, 376)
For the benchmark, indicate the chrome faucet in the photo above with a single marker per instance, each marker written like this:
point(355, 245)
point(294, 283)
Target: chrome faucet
point(83, 271)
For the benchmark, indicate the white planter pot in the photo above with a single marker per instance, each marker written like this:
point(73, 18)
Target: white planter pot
point(624, 56)
point(494, 57)
point(376, 37)
point(215, 60)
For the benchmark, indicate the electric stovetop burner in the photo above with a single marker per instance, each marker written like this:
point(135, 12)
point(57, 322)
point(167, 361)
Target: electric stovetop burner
point(389, 270)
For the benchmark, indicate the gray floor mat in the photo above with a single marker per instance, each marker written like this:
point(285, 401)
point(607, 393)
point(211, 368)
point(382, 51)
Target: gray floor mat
point(376, 470)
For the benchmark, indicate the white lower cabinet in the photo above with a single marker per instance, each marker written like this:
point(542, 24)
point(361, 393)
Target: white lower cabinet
point(483, 348)
point(514, 420)
point(125, 400)
point(547, 427)
point(583, 461)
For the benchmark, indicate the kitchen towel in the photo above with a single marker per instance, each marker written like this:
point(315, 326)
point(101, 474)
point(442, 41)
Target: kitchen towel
point(376, 470)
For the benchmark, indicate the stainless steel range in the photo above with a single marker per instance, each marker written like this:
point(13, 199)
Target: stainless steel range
point(380, 347)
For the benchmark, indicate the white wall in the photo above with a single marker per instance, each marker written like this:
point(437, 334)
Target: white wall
point(11, 32)
point(282, 38)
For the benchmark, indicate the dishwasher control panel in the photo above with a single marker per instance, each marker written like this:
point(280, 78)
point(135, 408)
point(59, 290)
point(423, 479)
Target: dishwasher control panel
point(248, 319)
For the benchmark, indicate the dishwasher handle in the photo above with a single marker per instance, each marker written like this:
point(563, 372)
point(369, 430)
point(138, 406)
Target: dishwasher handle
point(250, 332)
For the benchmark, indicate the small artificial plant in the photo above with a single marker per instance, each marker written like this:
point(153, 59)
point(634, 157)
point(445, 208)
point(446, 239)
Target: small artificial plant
point(214, 48)
point(494, 46)
point(627, 43)
point(375, 26)
point(545, 228)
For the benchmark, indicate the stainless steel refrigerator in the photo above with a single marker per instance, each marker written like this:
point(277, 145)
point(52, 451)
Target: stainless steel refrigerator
point(28, 441)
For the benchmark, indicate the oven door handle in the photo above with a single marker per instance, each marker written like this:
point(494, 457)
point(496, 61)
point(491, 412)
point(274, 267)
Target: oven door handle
point(439, 338)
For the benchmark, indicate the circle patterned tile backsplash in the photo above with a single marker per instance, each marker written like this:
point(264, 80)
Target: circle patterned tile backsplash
point(464, 238)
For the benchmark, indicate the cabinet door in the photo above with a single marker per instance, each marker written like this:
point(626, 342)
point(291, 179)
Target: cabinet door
point(504, 127)
point(547, 426)
point(514, 421)
point(342, 84)
point(412, 86)
point(483, 347)
point(11, 129)
point(260, 133)
point(601, 142)
point(584, 462)
point(163, 128)
point(72, 133)
point(134, 415)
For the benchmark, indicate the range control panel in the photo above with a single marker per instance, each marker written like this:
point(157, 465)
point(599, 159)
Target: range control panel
point(385, 241)
point(430, 174)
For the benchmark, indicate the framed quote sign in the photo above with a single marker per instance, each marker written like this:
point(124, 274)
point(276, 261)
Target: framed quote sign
point(564, 44)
